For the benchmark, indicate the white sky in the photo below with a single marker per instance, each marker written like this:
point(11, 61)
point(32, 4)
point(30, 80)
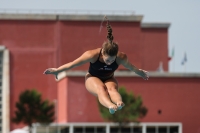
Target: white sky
point(184, 16)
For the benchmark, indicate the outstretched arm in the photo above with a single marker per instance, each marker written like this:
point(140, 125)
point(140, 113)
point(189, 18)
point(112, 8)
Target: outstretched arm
point(125, 62)
point(84, 58)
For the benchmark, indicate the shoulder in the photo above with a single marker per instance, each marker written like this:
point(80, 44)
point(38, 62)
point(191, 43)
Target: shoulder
point(121, 57)
point(92, 54)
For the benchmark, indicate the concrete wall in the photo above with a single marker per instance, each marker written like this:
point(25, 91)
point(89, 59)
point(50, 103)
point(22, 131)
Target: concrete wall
point(154, 48)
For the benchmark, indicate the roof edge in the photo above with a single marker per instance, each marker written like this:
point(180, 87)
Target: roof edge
point(129, 18)
point(155, 25)
point(27, 17)
point(70, 17)
point(132, 74)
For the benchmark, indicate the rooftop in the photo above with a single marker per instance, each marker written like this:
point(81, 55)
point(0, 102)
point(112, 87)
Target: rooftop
point(132, 74)
point(81, 17)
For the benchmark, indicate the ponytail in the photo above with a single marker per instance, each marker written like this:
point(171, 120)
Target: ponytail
point(109, 29)
point(110, 47)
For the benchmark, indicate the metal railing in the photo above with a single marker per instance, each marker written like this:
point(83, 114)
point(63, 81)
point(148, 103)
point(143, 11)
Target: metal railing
point(107, 127)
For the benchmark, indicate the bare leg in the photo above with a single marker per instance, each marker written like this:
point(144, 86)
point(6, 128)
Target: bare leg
point(112, 87)
point(98, 88)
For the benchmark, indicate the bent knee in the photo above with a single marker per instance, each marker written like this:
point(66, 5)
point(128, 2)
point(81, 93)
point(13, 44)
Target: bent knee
point(101, 89)
point(112, 89)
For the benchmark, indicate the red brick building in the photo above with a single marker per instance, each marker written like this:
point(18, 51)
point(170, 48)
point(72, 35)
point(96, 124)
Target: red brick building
point(32, 43)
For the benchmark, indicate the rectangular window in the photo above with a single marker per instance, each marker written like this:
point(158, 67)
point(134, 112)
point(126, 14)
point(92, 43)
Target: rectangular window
point(113, 129)
point(64, 130)
point(89, 130)
point(137, 129)
point(100, 130)
point(174, 129)
point(162, 129)
point(126, 129)
point(78, 129)
point(151, 129)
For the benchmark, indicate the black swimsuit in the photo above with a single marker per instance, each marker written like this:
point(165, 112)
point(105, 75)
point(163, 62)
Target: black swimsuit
point(102, 70)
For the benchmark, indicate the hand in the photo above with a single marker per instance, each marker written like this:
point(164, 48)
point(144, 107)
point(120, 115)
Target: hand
point(51, 71)
point(144, 74)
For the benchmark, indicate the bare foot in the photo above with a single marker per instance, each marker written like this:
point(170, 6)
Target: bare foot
point(120, 104)
point(112, 108)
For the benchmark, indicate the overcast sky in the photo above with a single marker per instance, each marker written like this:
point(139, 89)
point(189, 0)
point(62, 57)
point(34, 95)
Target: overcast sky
point(184, 16)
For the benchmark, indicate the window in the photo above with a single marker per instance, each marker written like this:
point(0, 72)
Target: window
point(89, 130)
point(174, 129)
point(137, 129)
point(64, 130)
point(162, 129)
point(128, 129)
point(151, 129)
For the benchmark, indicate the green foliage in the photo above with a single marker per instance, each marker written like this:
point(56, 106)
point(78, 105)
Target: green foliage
point(31, 108)
point(131, 112)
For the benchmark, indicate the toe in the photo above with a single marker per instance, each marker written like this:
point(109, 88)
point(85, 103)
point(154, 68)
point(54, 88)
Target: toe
point(120, 105)
point(112, 111)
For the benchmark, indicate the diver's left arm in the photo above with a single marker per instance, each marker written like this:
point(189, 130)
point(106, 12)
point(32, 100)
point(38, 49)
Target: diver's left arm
point(123, 60)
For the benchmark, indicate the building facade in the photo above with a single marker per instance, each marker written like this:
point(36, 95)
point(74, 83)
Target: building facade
point(31, 43)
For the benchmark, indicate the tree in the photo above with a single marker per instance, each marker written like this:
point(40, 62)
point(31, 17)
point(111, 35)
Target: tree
point(31, 108)
point(133, 110)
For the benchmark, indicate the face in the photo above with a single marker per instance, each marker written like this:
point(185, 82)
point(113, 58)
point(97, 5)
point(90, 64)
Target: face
point(108, 59)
